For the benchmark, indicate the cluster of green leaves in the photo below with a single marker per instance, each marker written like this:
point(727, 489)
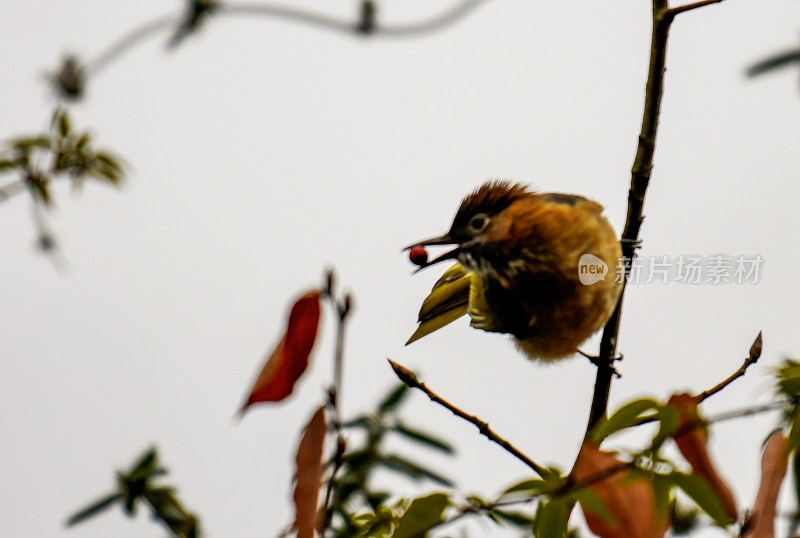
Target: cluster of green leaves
point(137, 486)
point(35, 162)
point(789, 387)
point(355, 507)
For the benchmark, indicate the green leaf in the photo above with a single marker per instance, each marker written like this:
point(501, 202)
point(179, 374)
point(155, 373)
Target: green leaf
point(773, 62)
point(704, 495)
point(412, 470)
point(592, 503)
point(393, 399)
point(146, 465)
point(533, 486)
point(552, 518)
point(789, 378)
point(515, 518)
point(363, 421)
point(40, 188)
point(28, 143)
point(794, 434)
point(423, 438)
point(63, 124)
point(7, 164)
point(669, 419)
point(626, 416)
point(553, 476)
point(423, 514)
point(93, 509)
point(662, 487)
point(796, 472)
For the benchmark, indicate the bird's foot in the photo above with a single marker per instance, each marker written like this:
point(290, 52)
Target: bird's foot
point(594, 359)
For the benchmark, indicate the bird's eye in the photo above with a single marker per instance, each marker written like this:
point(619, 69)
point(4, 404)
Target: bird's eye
point(478, 222)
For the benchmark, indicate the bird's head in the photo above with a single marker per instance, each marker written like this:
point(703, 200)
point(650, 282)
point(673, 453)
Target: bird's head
point(475, 218)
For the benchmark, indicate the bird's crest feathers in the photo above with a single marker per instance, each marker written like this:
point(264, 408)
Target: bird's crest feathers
point(491, 198)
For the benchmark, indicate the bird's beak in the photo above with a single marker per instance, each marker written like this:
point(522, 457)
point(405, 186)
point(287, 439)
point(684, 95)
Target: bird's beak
point(445, 239)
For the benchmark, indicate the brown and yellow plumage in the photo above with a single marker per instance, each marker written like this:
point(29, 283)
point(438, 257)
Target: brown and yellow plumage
point(518, 272)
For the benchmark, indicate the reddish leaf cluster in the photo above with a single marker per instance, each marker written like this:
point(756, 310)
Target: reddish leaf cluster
point(693, 444)
point(309, 474)
point(628, 502)
point(761, 520)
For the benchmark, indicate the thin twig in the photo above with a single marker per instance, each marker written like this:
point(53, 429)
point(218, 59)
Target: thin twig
point(119, 47)
point(433, 24)
point(326, 22)
point(142, 32)
point(409, 378)
point(682, 9)
point(343, 310)
point(722, 417)
point(338, 460)
point(289, 13)
point(752, 358)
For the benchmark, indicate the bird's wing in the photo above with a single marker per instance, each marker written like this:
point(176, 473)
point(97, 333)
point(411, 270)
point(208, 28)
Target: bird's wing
point(479, 311)
point(448, 301)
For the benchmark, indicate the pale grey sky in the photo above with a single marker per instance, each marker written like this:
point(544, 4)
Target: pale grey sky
point(263, 151)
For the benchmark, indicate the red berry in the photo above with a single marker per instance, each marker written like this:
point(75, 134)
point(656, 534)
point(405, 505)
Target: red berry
point(418, 255)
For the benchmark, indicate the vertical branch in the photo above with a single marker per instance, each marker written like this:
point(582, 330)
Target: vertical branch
point(662, 18)
point(343, 310)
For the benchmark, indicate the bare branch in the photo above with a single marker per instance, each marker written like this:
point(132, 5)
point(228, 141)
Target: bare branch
point(752, 358)
point(640, 179)
point(662, 18)
point(127, 41)
point(682, 9)
point(409, 378)
point(343, 310)
point(431, 25)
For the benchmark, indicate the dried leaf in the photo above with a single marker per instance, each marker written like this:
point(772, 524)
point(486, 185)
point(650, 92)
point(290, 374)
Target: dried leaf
point(774, 463)
point(289, 360)
point(693, 444)
point(309, 475)
point(630, 509)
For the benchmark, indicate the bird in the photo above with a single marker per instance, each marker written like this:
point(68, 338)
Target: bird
point(538, 266)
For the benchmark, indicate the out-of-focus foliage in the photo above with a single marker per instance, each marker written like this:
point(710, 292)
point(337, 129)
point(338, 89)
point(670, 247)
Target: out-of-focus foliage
point(356, 505)
point(139, 486)
point(32, 163)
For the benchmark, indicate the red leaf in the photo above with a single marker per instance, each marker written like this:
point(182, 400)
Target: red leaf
point(629, 509)
point(290, 358)
point(309, 475)
point(761, 523)
point(693, 444)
